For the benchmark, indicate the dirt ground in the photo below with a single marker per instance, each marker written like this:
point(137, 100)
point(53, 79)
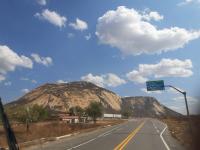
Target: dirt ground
point(185, 131)
point(50, 129)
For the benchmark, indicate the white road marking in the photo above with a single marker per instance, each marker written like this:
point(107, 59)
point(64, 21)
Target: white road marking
point(107, 134)
point(82, 144)
point(103, 134)
point(167, 147)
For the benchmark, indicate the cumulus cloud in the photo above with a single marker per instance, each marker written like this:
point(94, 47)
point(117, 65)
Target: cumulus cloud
point(165, 68)
point(152, 15)
point(52, 17)
point(42, 2)
point(9, 60)
point(88, 37)
point(109, 79)
point(46, 61)
point(132, 33)
point(25, 91)
point(61, 81)
point(79, 25)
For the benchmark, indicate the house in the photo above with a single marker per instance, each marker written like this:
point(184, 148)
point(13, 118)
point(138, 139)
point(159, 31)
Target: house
point(71, 119)
point(119, 116)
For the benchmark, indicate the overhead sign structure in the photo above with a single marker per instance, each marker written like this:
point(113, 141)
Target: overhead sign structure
point(155, 85)
point(159, 85)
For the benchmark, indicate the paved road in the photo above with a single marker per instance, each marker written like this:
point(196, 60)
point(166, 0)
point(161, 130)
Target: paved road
point(136, 134)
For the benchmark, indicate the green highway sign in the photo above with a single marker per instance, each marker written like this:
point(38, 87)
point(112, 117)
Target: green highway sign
point(155, 85)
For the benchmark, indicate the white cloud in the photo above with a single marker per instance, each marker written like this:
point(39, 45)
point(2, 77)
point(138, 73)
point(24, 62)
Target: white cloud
point(187, 2)
point(109, 79)
point(52, 17)
point(179, 104)
point(189, 98)
point(9, 60)
point(113, 80)
point(79, 25)
point(136, 76)
point(8, 83)
point(151, 92)
point(61, 81)
point(42, 2)
point(165, 68)
point(88, 37)
point(46, 61)
point(152, 15)
point(25, 91)
point(129, 31)
point(98, 80)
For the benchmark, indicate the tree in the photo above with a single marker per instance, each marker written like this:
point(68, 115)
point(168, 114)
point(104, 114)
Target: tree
point(33, 113)
point(38, 113)
point(76, 111)
point(126, 113)
point(94, 110)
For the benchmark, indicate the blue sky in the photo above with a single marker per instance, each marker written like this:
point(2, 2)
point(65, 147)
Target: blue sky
point(117, 44)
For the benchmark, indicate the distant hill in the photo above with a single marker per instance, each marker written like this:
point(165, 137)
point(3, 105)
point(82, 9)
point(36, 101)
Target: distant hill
point(140, 106)
point(60, 97)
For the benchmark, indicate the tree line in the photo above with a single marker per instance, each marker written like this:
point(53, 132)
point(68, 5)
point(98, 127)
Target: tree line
point(36, 113)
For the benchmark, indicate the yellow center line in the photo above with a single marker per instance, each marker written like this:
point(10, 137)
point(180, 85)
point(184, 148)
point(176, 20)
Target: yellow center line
point(130, 136)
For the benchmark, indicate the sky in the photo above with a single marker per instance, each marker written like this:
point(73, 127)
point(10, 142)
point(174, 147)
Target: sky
point(115, 44)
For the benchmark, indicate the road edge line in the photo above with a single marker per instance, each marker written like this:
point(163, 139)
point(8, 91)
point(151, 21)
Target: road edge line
point(99, 136)
point(163, 140)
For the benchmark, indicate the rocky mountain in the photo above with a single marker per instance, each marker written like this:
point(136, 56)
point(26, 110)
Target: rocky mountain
point(60, 97)
point(140, 106)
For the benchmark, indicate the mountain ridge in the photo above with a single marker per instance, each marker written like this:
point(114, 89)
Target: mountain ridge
point(61, 97)
point(142, 106)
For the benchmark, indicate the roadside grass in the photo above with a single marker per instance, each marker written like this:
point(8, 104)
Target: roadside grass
point(50, 129)
point(180, 129)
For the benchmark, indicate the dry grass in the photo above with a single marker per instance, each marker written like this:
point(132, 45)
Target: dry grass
point(187, 133)
point(50, 129)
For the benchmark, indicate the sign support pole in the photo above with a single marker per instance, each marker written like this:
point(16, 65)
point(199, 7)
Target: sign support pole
point(184, 93)
point(12, 142)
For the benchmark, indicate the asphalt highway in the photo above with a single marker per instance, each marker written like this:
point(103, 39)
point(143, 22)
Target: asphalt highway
point(136, 134)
